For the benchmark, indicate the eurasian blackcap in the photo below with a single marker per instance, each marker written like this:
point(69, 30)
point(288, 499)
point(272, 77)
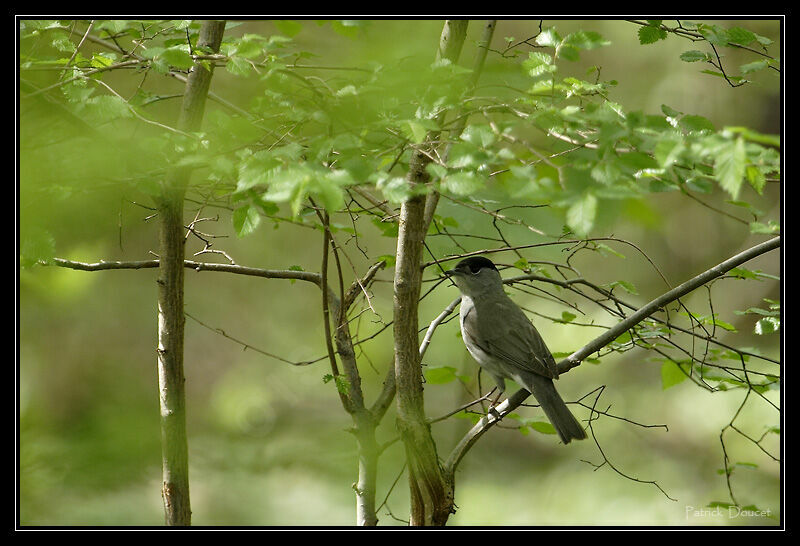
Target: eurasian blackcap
point(503, 341)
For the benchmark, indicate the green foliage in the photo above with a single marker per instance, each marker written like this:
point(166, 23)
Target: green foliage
point(616, 155)
point(652, 32)
point(440, 375)
point(289, 131)
point(673, 373)
point(770, 322)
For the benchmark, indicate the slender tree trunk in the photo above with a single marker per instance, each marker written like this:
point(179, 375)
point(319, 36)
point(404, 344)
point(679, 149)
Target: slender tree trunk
point(172, 397)
point(431, 493)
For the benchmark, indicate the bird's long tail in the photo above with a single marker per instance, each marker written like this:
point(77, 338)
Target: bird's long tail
point(567, 426)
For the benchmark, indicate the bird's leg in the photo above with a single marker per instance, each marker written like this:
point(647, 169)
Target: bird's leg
point(492, 410)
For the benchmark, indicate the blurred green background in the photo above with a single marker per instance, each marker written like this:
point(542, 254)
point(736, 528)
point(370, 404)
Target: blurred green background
point(268, 442)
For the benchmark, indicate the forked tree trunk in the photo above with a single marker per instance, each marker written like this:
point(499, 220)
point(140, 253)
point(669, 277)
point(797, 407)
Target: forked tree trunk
point(431, 491)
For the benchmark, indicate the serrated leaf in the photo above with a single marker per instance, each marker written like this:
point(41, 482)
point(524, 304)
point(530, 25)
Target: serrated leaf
point(729, 166)
point(714, 34)
point(767, 325)
point(667, 150)
point(463, 182)
point(582, 213)
point(756, 178)
point(396, 189)
point(770, 228)
point(538, 64)
point(342, 384)
point(245, 220)
point(753, 67)
point(108, 107)
point(741, 36)
point(101, 61)
point(238, 66)
point(548, 38)
point(177, 57)
point(62, 43)
point(436, 170)
point(479, 135)
point(693, 55)
point(651, 34)
point(415, 131)
point(584, 39)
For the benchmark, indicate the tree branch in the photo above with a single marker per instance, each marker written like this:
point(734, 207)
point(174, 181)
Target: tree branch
point(604, 339)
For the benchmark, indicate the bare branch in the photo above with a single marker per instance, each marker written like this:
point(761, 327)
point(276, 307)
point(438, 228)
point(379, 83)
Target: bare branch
point(604, 339)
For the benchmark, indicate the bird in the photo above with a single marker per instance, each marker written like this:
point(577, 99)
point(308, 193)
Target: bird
point(505, 344)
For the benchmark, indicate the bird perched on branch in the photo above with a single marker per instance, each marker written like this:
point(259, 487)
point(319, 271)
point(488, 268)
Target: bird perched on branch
point(503, 341)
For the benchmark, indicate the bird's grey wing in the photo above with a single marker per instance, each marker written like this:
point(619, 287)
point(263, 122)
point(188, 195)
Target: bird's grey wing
point(502, 330)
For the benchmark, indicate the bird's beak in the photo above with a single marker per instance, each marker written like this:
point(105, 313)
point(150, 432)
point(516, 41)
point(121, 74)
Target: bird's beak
point(452, 272)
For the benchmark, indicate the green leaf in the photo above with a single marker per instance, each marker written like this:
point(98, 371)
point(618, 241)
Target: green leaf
point(436, 170)
point(238, 66)
point(669, 111)
point(479, 135)
point(548, 38)
point(668, 150)
point(767, 325)
point(329, 193)
point(651, 34)
point(582, 213)
point(714, 34)
point(753, 67)
point(693, 123)
point(756, 178)
point(388, 259)
point(538, 64)
point(101, 61)
point(693, 56)
point(396, 189)
point(603, 248)
point(770, 228)
point(342, 384)
point(729, 167)
point(741, 36)
point(626, 285)
point(245, 220)
point(463, 182)
point(671, 374)
point(62, 43)
point(415, 131)
point(742, 273)
point(178, 57)
point(108, 107)
point(36, 245)
point(288, 27)
point(583, 39)
point(543, 427)
point(566, 316)
point(440, 375)
point(249, 48)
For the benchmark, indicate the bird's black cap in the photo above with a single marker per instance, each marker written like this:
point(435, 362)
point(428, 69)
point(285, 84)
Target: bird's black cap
point(475, 264)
